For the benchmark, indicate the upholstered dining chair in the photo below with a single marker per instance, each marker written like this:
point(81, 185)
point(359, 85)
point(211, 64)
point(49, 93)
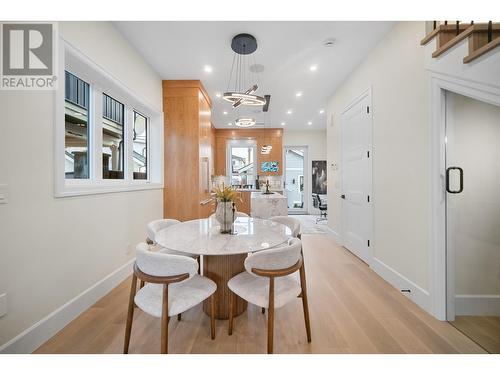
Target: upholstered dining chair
point(157, 225)
point(173, 286)
point(267, 282)
point(290, 222)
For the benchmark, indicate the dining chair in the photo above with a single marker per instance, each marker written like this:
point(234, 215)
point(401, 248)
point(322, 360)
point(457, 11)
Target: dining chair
point(157, 225)
point(173, 286)
point(267, 282)
point(290, 222)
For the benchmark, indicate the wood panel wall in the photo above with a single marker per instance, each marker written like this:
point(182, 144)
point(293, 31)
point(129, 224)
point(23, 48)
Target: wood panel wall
point(271, 136)
point(188, 143)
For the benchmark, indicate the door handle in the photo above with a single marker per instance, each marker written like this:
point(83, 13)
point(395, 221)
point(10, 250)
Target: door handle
point(342, 196)
point(461, 174)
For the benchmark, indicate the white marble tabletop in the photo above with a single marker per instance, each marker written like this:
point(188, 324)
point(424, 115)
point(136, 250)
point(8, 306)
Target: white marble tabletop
point(203, 236)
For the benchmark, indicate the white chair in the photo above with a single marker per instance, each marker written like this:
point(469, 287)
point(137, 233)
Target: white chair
point(267, 283)
point(157, 225)
point(173, 286)
point(290, 222)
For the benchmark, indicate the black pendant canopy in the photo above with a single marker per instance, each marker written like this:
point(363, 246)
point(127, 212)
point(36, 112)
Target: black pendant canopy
point(244, 44)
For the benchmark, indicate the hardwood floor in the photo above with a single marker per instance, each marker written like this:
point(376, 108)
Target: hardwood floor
point(484, 330)
point(352, 310)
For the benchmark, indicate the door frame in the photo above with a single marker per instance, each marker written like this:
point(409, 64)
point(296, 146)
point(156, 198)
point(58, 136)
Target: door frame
point(307, 178)
point(371, 206)
point(441, 274)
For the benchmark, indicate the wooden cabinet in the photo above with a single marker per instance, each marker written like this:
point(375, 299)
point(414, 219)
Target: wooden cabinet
point(245, 204)
point(271, 136)
point(188, 150)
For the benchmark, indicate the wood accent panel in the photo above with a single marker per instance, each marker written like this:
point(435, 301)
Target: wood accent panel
point(188, 144)
point(221, 268)
point(272, 136)
point(352, 310)
point(245, 204)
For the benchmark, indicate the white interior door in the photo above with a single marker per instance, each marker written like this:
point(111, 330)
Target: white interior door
point(356, 143)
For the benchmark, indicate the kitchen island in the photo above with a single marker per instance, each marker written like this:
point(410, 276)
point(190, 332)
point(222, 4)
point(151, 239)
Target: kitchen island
point(264, 206)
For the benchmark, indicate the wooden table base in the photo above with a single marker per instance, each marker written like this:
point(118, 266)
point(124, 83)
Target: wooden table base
point(221, 268)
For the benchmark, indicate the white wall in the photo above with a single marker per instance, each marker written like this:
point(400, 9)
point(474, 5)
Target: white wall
point(315, 140)
point(395, 72)
point(51, 250)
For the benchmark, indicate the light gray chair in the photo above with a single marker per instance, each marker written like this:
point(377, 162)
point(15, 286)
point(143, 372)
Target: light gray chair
point(267, 283)
point(290, 222)
point(173, 286)
point(157, 225)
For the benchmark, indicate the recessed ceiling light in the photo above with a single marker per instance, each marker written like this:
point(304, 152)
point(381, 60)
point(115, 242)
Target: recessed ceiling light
point(289, 112)
point(309, 123)
point(225, 112)
point(298, 94)
point(207, 69)
point(217, 94)
point(313, 68)
point(321, 111)
point(283, 124)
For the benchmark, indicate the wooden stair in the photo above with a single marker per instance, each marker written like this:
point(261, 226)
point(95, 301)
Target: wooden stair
point(482, 38)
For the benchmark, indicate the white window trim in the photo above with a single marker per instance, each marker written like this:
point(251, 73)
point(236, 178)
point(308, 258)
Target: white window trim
point(73, 60)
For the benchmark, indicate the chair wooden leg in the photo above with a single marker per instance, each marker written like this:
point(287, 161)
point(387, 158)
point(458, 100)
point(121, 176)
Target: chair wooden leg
point(270, 317)
point(142, 284)
point(212, 316)
point(263, 310)
point(305, 304)
point(164, 321)
point(231, 302)
point(130, 314)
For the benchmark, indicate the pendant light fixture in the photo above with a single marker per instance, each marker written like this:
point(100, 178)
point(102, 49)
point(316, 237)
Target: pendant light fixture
point(245, 122)
point(242, 83)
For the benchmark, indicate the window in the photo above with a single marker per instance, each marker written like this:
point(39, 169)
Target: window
point(107, 138)
point(113, 138)
point(140, 143)
point(76, 128)
point(243, 166)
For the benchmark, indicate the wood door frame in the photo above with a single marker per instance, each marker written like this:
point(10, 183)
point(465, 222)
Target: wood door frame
point(371, 206)
point(307, 178)
point(441, 275)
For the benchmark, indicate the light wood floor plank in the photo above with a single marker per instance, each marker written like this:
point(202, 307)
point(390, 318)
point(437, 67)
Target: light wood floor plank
point(352, 310)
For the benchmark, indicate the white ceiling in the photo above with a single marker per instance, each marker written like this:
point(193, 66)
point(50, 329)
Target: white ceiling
point(181, 50)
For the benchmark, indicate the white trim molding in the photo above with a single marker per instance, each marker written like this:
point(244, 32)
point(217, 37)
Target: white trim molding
point(30, 339)
point(417, 294)
point(482, 305)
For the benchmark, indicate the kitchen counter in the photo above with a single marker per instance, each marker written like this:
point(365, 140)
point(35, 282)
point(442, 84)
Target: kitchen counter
point(264, 206)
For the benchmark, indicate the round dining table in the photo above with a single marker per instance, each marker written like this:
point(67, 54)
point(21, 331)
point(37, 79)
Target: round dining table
point(223, 254)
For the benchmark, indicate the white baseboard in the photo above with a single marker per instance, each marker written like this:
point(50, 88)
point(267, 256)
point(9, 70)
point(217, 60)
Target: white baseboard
point(475, 304)
point(30, 339)
point(333, 235)
point(418, 295)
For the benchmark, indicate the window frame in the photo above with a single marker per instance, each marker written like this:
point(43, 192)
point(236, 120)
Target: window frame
point(148, 139)
point(100, 81)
